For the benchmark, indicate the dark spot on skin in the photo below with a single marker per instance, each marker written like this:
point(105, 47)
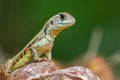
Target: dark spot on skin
point(21, 56)
point(29, 45)
point(14, 62)
point(45, 31)
point(46, 28)
point(62, 16)
point(24, 52)
point(30, 50)
point(17, 60)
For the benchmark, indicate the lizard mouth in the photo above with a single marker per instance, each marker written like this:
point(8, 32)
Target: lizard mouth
point(69, 22)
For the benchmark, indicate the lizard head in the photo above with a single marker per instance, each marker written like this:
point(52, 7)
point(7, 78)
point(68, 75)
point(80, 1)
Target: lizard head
point(60, 22)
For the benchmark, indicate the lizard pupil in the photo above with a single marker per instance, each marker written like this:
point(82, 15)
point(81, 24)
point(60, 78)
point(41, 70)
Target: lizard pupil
point(62, 16)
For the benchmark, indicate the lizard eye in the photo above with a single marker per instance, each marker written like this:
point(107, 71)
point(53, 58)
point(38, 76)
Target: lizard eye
point(62, 16)
point(51, 22)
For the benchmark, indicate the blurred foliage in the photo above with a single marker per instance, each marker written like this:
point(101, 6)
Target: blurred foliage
point(20, 20)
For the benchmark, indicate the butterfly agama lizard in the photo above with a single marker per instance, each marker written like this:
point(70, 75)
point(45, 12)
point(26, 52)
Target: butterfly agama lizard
point(42, 43)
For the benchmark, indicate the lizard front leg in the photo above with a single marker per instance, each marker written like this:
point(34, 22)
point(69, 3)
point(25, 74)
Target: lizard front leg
point(48, 55)
point(35, 55)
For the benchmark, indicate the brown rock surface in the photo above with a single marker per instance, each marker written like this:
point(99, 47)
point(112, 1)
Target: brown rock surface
point(46, 70)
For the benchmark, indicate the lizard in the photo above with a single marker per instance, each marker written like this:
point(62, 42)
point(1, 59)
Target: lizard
point(42, 43)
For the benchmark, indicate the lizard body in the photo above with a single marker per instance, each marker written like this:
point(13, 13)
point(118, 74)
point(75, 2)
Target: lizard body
point(42, 43)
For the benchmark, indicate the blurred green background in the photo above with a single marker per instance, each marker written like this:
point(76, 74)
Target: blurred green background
point(21, 20)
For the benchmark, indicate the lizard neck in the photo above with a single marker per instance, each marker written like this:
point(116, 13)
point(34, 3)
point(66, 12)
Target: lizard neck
point(56, 31)
point(50, 37)
point(51, 33)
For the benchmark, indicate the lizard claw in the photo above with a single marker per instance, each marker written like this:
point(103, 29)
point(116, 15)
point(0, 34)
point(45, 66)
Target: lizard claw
point(6, 68)
point(45, 59)
point(36, 59)
point(2, 71)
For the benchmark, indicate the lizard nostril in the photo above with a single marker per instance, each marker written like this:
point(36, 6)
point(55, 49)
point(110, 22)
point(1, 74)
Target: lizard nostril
point(62, 16)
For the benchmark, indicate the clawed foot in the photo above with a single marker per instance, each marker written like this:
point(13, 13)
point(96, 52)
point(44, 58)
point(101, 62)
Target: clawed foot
point(37, 59)
point(6, 68)
point(3, 71)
